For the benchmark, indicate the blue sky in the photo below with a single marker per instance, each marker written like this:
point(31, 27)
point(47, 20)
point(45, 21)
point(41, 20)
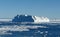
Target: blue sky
point(46, 8)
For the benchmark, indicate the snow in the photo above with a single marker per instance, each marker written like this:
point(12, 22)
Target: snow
point(40, 19)
point(26, 15)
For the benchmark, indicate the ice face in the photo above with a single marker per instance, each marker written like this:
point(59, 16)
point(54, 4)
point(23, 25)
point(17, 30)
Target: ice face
point(40, 19)
point(23, 18)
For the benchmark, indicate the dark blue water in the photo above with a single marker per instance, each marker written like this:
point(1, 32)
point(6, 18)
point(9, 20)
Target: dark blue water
point(50, 30)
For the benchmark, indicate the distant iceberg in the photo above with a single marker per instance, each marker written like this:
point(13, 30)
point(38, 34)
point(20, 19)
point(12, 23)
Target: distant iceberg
point(29, 18)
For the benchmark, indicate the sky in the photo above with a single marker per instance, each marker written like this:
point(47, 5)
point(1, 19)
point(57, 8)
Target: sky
point(46, 8)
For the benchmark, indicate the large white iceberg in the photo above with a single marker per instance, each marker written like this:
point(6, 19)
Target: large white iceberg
point(29, 18)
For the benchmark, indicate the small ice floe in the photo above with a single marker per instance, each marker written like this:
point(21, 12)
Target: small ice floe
point(46, 31)
point(4, 33)
point(40, 32)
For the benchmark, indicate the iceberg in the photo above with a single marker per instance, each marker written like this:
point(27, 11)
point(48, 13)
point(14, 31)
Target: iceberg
point(29, 18)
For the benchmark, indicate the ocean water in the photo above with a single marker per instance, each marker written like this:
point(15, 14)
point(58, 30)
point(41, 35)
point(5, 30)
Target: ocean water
point(30, 30)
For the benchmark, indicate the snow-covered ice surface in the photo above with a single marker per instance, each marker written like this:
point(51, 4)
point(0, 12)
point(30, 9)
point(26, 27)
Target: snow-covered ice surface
point(40, 19)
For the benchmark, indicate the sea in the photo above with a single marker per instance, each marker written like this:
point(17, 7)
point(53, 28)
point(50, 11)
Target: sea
point(30, 30)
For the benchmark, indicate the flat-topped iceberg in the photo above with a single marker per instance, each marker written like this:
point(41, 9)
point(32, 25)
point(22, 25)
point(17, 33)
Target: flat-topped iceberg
point(29, 18)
